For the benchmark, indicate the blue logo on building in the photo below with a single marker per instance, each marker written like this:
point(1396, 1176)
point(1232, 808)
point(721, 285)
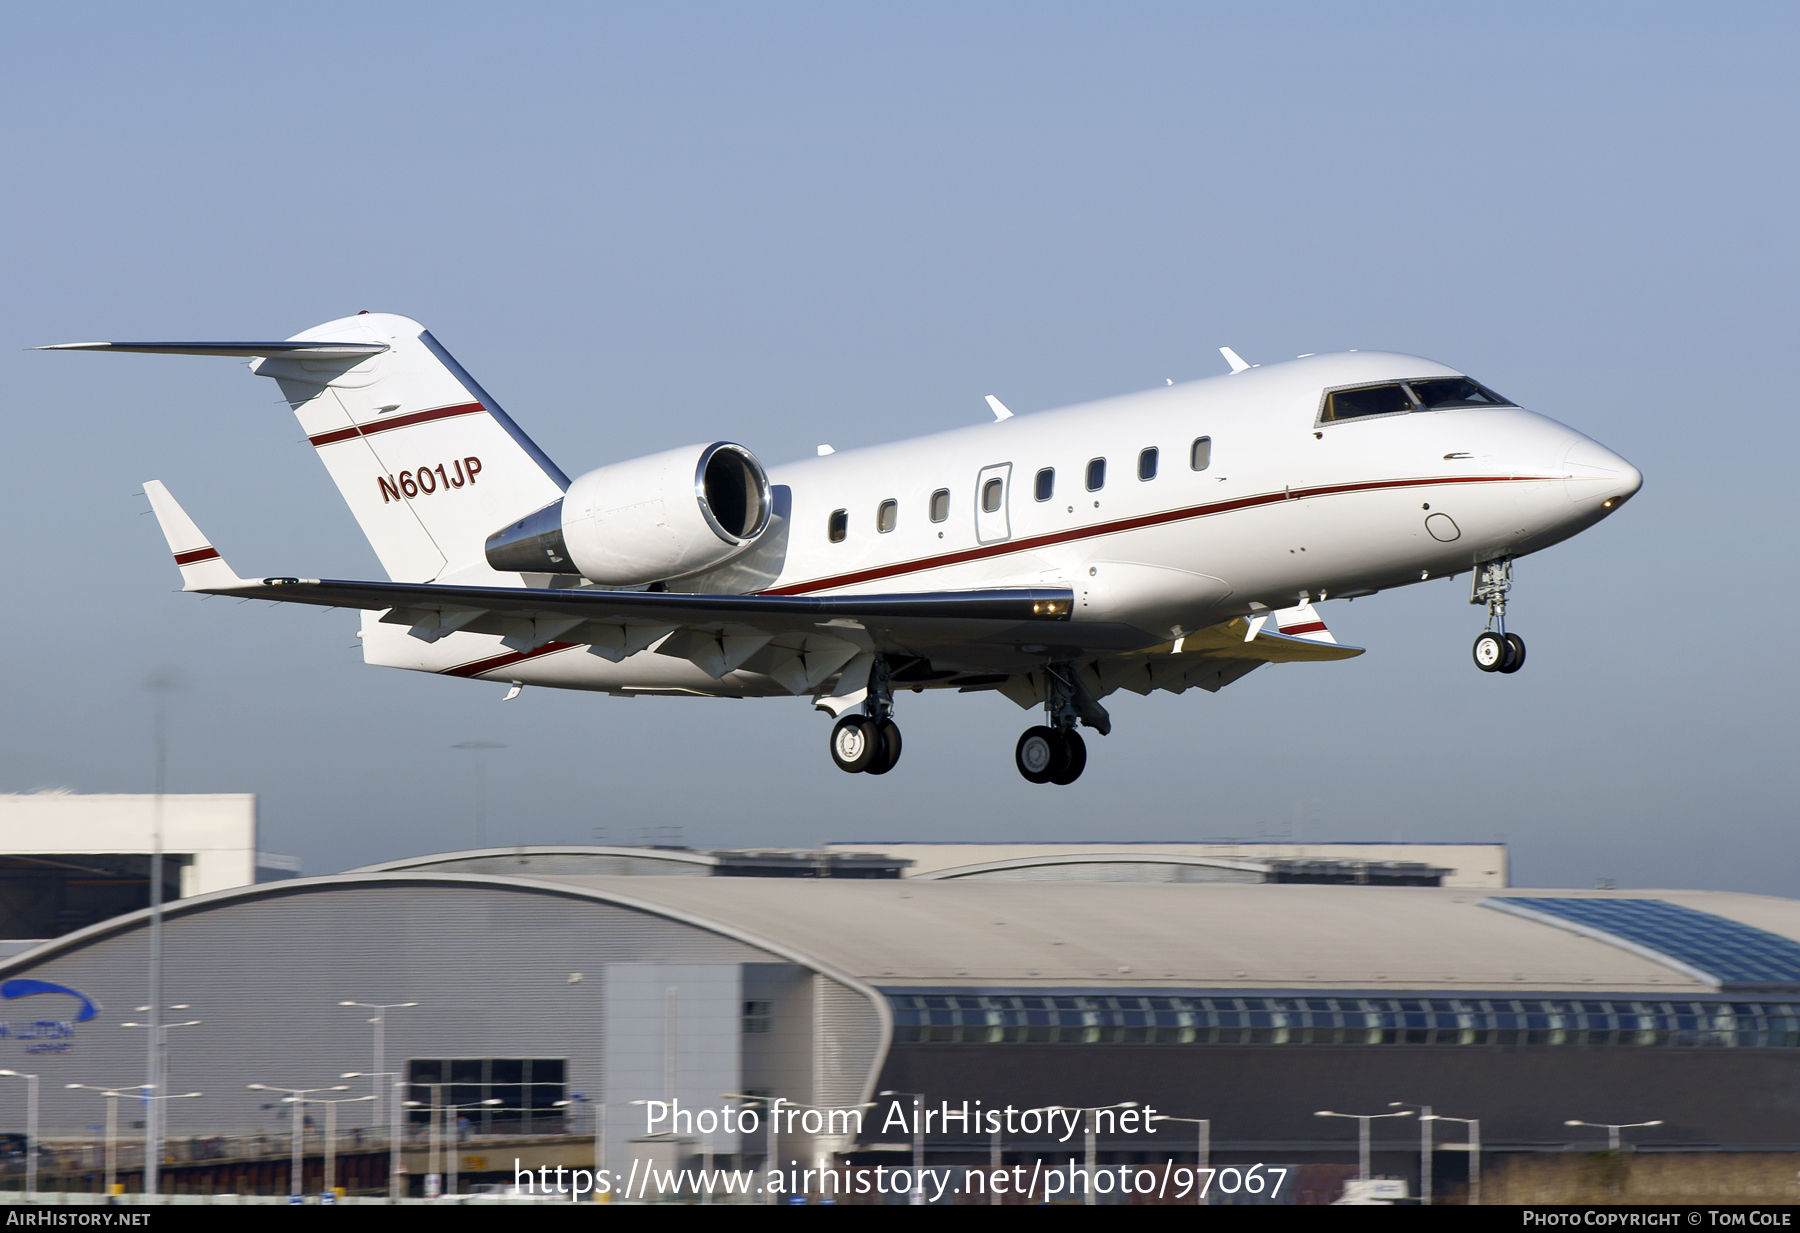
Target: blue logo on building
point(45, 1035)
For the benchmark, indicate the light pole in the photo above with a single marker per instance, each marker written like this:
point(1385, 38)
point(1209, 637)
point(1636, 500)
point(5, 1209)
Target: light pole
point(296, 1096)
point(1362, 1136)
point(917, 1197)
point(160, 687)
point(456, 1135)
point(1425, 1120)
point(1090, 1122)
point(156, 1127)
point(1202, 1157)
point(31, 1128)
point(393, 1123)
point(330, 1186)
point(1612, 1129)
point(1473, 1147)
point(112, 1125)
point(380, 1021)
point(480, 748)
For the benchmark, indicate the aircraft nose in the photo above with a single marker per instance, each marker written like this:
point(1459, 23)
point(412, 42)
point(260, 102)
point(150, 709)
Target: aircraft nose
point(1595, 476)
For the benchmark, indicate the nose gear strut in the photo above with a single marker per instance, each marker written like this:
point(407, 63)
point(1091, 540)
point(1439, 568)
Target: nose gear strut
point(1495, 650)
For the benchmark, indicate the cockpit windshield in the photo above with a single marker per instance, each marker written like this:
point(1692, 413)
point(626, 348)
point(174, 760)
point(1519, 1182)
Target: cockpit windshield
point(1400, 397)
point(1448, 392)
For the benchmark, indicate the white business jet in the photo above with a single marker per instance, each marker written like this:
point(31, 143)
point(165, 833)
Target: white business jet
point(1170, 539)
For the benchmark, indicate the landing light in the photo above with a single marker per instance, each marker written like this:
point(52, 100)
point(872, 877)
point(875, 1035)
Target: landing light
point(1049, 607)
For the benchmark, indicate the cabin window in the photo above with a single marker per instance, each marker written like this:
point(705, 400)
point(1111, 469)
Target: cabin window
point(837, 526)
point(1096, 474)
point(991, 493)
point(1389, 399)
point(1046, 483)
point(1147, 463)
point(940, 504)
point(1200, 457)
point(886, 516)
point(1452, 392)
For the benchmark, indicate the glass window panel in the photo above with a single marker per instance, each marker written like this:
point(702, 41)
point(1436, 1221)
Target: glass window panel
point(837, 526)
point(1451, 392)
point(1046, 483)
point(990, 495)
point(940, 505)
point(1200, 456)
point(1147, 464)
point(1370, 400)
point(1096, 474)
point(886, 516)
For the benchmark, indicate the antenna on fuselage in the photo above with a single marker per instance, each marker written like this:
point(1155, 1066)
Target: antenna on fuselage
point(1234, 359)
point(998, 408)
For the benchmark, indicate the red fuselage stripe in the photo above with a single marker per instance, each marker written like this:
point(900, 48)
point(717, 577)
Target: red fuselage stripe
point(479, 667)
point(198, 554)
point(399, 421)
point(492, 663)
point(1133, 524)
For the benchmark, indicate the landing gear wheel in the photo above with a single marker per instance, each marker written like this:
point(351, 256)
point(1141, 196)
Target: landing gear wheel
point(1041, 754)
point(1516, 660)
point(855, 740)
point(1492, 651)
point(887, 747)
point(1077, 758)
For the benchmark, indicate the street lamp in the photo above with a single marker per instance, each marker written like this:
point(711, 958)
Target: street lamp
point(393, 1122)
point(31, 1128)
point(437, 1113)
point(480, 783)
point(296, 1096)
point(380, 1021)
point(156, 1129)
point(1612, 1129)
point(917, 1197)
point(1473, 1147)
point(112, 1124)
point(1090, 1122)
point(1362, 1136)
point(1203, 1160)
point(1425, 1120)
point(330, 1186)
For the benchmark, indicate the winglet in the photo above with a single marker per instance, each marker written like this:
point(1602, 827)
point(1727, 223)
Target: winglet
point(202, 568)
point(1234, 359)
point(998, 408)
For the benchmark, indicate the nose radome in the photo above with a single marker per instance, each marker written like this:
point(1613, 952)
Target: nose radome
point(1595, 473)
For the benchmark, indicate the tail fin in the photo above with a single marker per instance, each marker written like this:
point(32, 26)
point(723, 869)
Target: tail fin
point(428, 462)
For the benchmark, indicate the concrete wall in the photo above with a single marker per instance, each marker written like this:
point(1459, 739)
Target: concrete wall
point(218, 830)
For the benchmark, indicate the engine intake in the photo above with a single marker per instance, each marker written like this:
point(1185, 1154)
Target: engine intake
point(648, 520)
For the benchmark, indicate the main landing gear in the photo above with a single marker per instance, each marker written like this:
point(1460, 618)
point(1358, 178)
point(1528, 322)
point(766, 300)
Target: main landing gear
point(869, 742)
point(1496, 650)
point(1055, 752)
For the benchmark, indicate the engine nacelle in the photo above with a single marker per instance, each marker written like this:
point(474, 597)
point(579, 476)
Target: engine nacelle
point(647, 520)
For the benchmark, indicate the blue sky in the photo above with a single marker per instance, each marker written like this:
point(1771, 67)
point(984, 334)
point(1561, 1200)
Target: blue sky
point(785, 224)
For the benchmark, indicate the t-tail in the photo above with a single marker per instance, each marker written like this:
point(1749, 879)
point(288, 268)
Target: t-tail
point(428, 462)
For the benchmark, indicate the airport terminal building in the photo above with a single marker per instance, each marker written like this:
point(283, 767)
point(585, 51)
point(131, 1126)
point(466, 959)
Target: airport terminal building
point(565, 984)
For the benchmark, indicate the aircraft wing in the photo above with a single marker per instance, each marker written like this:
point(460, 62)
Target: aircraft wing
point(731, 627)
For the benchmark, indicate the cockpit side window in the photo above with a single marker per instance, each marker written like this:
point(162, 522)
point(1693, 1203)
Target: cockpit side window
point(1450, 392)
point(1391, 399)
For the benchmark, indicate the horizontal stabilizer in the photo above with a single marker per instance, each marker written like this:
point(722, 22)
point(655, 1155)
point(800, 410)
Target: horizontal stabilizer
point(243, 350)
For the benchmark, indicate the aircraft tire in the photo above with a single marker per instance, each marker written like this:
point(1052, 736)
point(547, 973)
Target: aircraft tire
point(1491, 652)
point(1516, 660)
point(887, 751)
point(1077, 759)
point(1040, 754)
point(854, 743)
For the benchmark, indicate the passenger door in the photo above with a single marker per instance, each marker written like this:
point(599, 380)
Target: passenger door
point(993, 489)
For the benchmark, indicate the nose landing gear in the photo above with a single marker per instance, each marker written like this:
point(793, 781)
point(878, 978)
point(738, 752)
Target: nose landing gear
point(1496, 650)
